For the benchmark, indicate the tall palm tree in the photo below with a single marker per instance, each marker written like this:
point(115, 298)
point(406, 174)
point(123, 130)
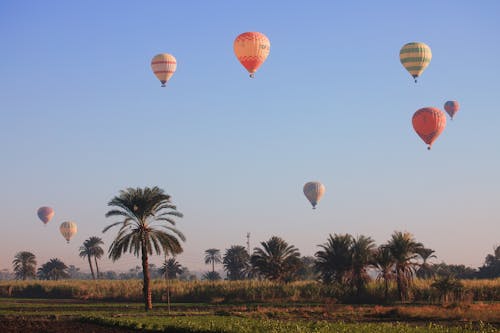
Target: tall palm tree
point(404, 247)
point(24, 264)
point(384, 262)
point(334, 261)
point(212, 256)
point(147, 224)
point(96, 250)
point(236, 262)
point(362, 250)
point(54, 269)
point(425, 270)
point(171, 269)
point(276, 260)
point(86, 252)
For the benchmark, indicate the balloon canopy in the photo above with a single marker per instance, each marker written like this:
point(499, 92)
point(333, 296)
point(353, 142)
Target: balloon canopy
point(68, 229)
point(45, 214)
point(252, 49)
point(429, 123)
point(451, 107)
point(163, 66)
point(313, 192)
point(415, 57)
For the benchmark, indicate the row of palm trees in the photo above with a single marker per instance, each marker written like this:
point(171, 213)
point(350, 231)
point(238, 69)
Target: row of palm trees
point(342, 259)
point(24, 265)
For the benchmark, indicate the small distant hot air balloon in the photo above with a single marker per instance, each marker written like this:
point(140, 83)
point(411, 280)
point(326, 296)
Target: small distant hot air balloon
point(415, 57)
point(164, 66)
point(45, 214)
point(451, 108)
point(252, 49)
point(313, 192)
point(429, 123)
point(68, 229)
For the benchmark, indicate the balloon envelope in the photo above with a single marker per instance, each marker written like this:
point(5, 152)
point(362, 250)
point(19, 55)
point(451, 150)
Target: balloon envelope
point(252, 49)
point(313, 192)
point(163, 66)
point(45, 214)
point(68, 229)
point(451, 107)
point(429, 123)
point(415, 57)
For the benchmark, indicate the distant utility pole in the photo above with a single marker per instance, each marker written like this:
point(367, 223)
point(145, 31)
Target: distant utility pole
point(248, 243)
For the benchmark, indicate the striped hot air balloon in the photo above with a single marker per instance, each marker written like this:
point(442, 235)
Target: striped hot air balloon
point(252, 49)
point(451, 107)
point(429, 123)
point(313, 192)
point(68, 229)
point(415, 57)
point(45, 214)
point(164, 66)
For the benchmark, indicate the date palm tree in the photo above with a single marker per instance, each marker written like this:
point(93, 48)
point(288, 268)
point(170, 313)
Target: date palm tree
point(362, 250)
point(276, 260)
point(24, 264)
point(171, 269)
point(97, 251)
point(86, 252)
point(334, 261)
point(404, 249)
point(425, 270)
point(236, 262)
point(212, 256)
point(147, 225)
point(54, 269)
point(384, 262)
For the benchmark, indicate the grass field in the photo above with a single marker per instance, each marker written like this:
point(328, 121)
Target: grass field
point(16, 315)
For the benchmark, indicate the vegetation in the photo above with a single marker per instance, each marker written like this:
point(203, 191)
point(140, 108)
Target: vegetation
point(276, 260)
point(54, 269)
point(171, 269)
point(24, 265)
point(236, 262)
point(212, 256)
point(147, 225)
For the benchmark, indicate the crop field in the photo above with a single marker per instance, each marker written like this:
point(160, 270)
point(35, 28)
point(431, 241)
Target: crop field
point(56, 315)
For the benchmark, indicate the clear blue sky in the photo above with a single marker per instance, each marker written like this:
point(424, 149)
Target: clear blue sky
point(82, 117)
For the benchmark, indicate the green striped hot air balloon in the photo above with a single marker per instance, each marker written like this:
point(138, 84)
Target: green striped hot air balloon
point(415, 57)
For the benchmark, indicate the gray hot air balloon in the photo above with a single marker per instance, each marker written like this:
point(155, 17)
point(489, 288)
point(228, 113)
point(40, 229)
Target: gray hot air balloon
point(313, 192)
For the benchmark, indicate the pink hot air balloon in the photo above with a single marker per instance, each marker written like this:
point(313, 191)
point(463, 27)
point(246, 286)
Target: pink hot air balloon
point(45, 214)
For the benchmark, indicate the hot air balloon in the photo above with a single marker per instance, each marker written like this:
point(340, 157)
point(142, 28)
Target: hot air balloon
point(451, 108)
point(164, 66)
point(313, 192)
point(429, 123)
point(415, 57)
point(68, 229)
point(45, 214)
point(252, 49)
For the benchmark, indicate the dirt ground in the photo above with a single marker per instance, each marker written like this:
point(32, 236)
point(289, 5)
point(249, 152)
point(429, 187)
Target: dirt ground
point(31, 325)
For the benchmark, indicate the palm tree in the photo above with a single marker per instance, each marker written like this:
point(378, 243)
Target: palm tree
point(211, 276)
point(24, 264)
point(335, 260)
point(147, 224)
point(212, 256)
point(236, 262)
point(425, 270)
point(404, 247)
point(277, 260)
point(171, 268)
point(86, 252)
point(96, 250)
point(384, 263)
point(362, 250)
point(54, 269)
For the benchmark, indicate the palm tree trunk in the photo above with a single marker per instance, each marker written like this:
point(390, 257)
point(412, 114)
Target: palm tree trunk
point(91, 268)
point(96, 267)
point(146, 288)
point(213, 266)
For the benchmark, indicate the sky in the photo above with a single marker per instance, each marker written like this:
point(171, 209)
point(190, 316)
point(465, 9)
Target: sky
point(82, 117)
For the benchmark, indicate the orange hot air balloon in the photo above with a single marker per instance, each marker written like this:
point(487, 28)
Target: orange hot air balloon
point(429, 123)
point(451, 108)
point(252, 49)
point(314, 191)
point(45, 214)
point(164, 66)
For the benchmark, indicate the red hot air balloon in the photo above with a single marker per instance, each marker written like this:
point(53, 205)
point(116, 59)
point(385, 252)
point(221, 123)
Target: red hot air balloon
point(451, 108)
point(45, 214)
point(251, 49)
point(429, 123)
